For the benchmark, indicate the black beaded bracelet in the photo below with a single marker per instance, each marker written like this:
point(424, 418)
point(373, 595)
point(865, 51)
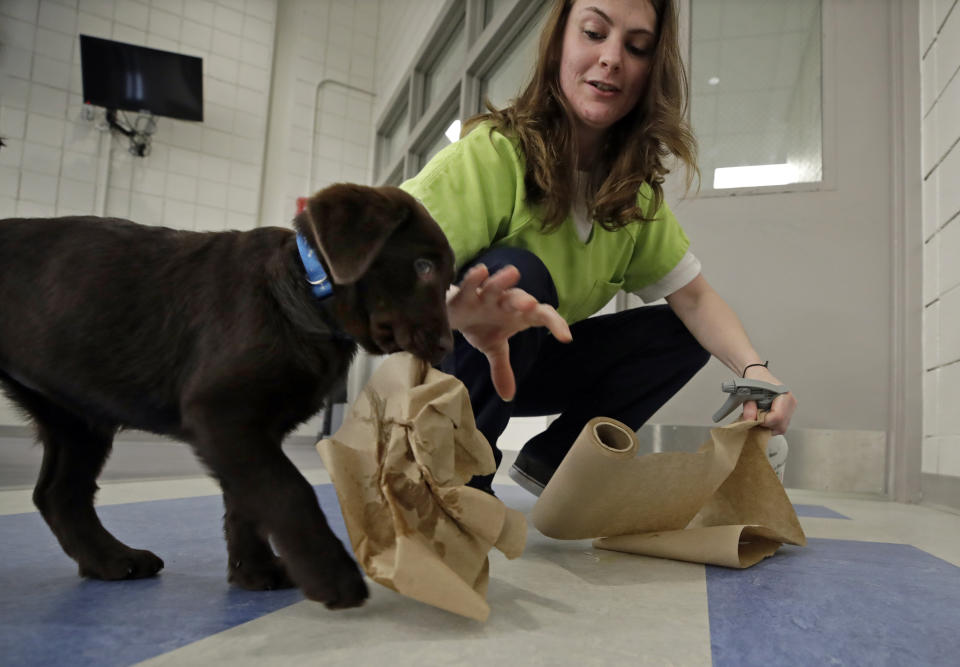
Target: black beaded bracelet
point(744, 373)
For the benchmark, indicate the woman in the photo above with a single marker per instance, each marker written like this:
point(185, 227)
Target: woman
point(559, 197)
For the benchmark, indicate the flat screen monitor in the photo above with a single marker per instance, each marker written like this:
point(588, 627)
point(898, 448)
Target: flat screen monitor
point(136, 78)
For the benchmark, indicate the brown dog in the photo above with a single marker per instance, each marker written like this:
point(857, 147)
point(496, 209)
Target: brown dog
point(217, 340)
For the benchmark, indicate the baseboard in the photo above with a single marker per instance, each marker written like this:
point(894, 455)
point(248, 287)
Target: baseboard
point(11, 431)
point(133, 435)
point(941, 491)
point(819, 459)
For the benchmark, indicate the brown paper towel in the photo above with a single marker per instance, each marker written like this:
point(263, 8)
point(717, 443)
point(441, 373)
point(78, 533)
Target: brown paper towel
point(399, 464)
point(721, 505)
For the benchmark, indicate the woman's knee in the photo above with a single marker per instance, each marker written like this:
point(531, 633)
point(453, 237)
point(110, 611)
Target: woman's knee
point(535, 278)
point(646, 331)
point(694, 351)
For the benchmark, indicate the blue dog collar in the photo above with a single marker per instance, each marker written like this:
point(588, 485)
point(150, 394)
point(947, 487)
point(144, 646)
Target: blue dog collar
point(316, 275)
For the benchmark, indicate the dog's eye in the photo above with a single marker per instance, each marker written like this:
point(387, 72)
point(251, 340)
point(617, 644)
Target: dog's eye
point(424, 267)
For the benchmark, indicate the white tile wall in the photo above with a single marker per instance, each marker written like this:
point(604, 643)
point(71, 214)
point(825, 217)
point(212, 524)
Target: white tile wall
point(54, 151)
point(949, 322)
point(931, 336)
point(328, 137)
point(948, 398)
point(949, 265)
point(940, 67)
point(948, 454)
point(199, 176)
point(931, 186)
point(931, 453)
point(931, 389)
point(203, 176)
point(25, 10)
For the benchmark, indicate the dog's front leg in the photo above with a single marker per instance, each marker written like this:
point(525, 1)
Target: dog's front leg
point(269, 496)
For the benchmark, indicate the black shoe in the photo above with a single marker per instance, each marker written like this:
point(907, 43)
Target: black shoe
point(483, 483)
point(531, 473)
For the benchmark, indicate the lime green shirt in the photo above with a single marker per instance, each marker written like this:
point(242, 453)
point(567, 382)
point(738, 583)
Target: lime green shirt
point(474, 188)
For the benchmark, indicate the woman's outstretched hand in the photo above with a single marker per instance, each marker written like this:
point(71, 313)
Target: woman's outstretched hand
point(487, 310)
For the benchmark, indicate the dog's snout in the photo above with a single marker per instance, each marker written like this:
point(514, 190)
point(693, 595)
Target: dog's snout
point(430, 343)
point(444, 346)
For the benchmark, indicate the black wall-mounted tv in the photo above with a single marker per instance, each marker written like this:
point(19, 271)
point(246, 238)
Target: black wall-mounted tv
point(136, 78)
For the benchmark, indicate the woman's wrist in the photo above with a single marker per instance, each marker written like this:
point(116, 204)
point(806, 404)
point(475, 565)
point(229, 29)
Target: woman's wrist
point(759, 372)
point(754, 366)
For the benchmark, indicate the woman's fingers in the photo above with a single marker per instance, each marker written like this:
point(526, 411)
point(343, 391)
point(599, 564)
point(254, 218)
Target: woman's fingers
point(547, 316)
point(503, 279)
point(473, 278)
point(778, 420)
point(500, 370)
point(479, 287)
point(489, 309)
point(535, 314)
point(518, 300)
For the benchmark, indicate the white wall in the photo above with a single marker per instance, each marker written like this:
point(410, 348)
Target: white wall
point(940, 66)
point(809, 273)
point(320, 121)
point(205, 176)
point(403, 29)
point(274, 130)
point(198, 176)
point(321, 110)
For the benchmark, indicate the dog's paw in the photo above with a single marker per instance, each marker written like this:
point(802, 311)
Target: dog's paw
point(125, 564)
point(338, 586)
point(262, 576)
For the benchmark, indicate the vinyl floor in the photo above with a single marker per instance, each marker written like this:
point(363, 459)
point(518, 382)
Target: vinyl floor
point(878, 584)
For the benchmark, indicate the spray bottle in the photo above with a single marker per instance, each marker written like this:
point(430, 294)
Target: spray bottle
point(742, 390)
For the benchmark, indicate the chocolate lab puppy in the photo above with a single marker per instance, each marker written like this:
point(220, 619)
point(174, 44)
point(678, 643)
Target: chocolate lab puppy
point(218, 340)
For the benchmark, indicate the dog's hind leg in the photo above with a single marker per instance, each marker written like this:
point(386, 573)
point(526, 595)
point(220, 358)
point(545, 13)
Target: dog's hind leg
point(74, 451)
point(252, 563)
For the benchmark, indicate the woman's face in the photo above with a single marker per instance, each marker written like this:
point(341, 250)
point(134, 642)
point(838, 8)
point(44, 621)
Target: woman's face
point(607, 51)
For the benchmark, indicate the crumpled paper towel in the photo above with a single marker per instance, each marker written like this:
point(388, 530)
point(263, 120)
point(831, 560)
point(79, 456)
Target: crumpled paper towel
point(399, 464)
point(722, 505)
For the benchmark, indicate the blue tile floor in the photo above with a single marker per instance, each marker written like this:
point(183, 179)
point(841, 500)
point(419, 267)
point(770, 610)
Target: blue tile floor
point(879, 583)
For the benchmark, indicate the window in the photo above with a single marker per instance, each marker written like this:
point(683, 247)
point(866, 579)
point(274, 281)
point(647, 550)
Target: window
point(755, 72)
point(460, 62)
point(491, 8)
point(444, 134)
point(391, 142)
point(396, 176)
point(447, 67)
point(513, 71)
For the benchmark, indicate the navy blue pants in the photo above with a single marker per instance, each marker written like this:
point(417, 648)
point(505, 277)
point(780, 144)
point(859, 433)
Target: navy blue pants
point(624, 365)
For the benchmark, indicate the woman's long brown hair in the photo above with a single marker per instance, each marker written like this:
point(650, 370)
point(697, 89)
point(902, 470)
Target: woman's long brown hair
point(635, 147)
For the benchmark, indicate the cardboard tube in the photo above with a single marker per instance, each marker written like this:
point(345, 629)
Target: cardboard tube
point(603, 489)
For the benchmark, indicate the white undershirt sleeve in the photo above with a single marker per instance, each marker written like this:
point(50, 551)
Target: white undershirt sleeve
point(685, 271)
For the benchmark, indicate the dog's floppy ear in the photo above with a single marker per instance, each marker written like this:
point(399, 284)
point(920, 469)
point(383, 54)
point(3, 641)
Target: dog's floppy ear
point(350, 224)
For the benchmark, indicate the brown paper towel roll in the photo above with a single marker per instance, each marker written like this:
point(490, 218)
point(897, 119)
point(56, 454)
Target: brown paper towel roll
point(722, 505)
point(399, 464)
